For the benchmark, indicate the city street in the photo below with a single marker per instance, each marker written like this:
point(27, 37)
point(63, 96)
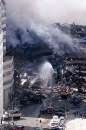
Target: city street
point(30, 118)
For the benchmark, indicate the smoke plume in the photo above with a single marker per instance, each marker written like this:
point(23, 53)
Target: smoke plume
point(60, 42)
point(39, 16)
point(34, 33)
point(46, 74)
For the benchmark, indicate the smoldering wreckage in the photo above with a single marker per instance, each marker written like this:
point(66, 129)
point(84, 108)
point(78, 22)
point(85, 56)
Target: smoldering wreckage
point(55, 67)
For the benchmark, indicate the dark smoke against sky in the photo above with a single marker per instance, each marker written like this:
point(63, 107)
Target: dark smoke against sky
point(50, 11)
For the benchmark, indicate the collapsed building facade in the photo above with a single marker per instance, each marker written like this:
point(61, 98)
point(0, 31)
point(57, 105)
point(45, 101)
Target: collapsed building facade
point(78, 63)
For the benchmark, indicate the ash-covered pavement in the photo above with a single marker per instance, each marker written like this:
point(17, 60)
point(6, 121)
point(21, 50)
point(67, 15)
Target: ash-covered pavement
point(30, 118)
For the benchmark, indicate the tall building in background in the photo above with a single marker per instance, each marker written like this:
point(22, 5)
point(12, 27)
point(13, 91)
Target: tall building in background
point(3, 19)
point(1, 63)
point(8, 80)
point(8, 68)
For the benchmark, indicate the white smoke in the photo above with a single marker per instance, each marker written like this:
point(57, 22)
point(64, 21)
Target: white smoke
point(76, 124)
point(46, 74)
point(50, 11)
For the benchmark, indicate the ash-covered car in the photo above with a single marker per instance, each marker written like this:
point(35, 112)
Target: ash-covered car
point(9, 115)
point(16, 114)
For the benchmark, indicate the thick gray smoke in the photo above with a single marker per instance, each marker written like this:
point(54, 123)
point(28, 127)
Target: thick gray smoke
point(38, 15)
point(60, 42)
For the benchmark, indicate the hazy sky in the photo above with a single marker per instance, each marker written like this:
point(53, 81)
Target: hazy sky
point(49, 11)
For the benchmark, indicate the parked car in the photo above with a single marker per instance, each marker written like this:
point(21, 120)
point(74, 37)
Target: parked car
point(15, 114)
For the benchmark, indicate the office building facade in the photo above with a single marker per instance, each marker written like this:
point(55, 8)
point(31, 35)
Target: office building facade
point(7, 65)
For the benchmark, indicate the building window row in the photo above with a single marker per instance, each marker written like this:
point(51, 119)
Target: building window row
point(9, 69)
point(7, 78)
point(8, 73)
point(8, 86)
point(8, 63)
point(8, 82)
point(8, 66)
